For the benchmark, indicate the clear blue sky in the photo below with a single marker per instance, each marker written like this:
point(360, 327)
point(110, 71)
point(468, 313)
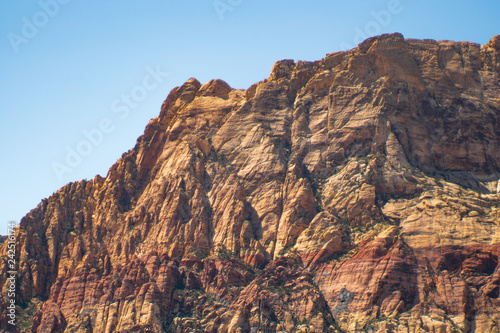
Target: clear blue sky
point(66, 67)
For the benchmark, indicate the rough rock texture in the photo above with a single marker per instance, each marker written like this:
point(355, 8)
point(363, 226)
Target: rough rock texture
point(356, 193)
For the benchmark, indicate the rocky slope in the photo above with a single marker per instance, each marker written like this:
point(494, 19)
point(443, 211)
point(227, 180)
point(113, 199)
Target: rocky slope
point(356, 193)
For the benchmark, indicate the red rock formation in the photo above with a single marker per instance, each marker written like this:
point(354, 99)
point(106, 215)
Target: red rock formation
point(358, 192)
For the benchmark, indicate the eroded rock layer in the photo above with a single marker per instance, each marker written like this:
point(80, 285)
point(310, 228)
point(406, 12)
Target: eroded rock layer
point(356, 193)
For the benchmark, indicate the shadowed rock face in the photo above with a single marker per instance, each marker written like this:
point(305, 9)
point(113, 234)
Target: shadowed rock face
point(358, 192)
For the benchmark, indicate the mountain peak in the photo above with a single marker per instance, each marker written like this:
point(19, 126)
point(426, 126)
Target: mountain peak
point(361, 190)
point(216, 88)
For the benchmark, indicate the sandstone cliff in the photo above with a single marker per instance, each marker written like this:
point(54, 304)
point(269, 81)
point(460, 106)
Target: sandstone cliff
point(356, 193)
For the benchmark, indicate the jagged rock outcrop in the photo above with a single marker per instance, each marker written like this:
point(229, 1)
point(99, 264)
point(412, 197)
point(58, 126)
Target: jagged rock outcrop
point(356, 193)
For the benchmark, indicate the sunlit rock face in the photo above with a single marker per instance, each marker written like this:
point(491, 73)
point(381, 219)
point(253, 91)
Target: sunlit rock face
point(356, 193)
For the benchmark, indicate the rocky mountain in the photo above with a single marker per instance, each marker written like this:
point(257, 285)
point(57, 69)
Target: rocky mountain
point(355, 193)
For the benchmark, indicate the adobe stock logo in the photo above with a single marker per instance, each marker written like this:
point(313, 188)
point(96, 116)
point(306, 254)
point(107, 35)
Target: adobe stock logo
point(223, 6)
point(121, 109)
point(381, 19)
point(31, 27)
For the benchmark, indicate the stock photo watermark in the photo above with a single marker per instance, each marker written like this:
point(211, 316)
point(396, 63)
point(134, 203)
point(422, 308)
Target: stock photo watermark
point(11, 273)
point(120, 108)
point(31, 26)
point(223, 6)
point(381, 19)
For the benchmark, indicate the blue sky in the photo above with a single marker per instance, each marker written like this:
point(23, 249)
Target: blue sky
point(86, 76)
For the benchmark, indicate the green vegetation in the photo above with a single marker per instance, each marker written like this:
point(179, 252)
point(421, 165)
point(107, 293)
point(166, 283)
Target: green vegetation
point(221, 159)
point(26, 315)
point(342, 256)
point(224, 254)
point(200, 254)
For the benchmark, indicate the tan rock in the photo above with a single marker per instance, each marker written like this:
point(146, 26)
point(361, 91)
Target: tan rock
point(375, 172)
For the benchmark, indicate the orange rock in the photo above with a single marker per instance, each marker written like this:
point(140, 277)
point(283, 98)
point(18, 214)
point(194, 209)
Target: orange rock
point(357, 192)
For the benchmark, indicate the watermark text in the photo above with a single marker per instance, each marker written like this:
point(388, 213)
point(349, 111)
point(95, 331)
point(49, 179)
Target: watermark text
point(120, 109)
point(12, 274)
point(31, 26)
point(223, 6)
point(381, 19)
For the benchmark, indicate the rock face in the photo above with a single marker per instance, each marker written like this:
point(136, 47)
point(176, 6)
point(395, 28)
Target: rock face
point(356, 193)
